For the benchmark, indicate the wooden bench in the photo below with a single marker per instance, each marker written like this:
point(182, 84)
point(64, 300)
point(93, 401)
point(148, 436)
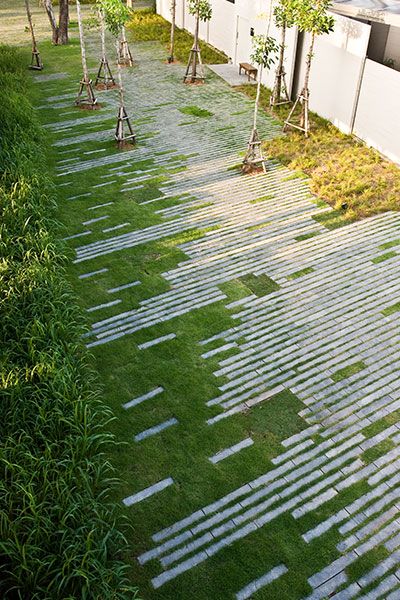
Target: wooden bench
point(250, 71)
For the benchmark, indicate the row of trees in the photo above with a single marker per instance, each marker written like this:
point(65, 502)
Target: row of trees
point(310, 16)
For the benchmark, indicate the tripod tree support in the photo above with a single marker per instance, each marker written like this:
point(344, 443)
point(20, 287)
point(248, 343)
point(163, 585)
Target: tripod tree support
point(36, 61)
point(284, 19)
point(125, 58)
point(202, 11)
point(312, 17)
point(264, 54)
point(116, 15)
point(104, 77)
point(124, 133)
point(86, 97)
point(171, 57)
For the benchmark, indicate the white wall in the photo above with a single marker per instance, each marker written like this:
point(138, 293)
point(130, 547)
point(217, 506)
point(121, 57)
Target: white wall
point(377, 121)
point(336, 70)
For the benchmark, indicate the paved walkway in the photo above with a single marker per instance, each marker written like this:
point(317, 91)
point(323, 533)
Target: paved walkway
point(327, 334)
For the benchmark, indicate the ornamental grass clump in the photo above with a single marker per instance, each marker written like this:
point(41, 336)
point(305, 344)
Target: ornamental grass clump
point(59, 532)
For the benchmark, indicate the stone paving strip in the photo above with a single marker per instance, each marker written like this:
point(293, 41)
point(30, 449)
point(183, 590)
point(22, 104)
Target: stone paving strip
point(142, 398)
point(164, 338)
point(49, 77)
point(93, 273)
point(105, 305)
point(76, 235)
point(100, 206)
point(95, 220)
point(261, 582)
point(108, 229)
point(155, 430)
point(148, 492)
point(297, 338)
point(124, 286)
point(222, 454)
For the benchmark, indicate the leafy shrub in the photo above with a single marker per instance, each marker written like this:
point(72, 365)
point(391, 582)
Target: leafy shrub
point(59, 532)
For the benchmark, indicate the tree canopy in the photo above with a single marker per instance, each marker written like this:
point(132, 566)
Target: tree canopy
point(312, 16)
point(202, 8)
point(265, 49)
point(116, 14)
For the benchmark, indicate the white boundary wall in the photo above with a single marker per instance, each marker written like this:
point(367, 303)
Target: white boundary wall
point(336, 70)
point(377, 119)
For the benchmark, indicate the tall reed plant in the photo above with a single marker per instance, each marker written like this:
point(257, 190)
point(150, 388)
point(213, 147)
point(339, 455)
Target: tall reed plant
point(60, 535)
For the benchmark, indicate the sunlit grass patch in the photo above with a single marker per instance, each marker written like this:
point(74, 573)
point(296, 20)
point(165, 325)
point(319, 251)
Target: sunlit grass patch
point(383, 257)
point(306, 236)
point(347, 371)
point(390, 310)
point(300, 273)
point(196, 111)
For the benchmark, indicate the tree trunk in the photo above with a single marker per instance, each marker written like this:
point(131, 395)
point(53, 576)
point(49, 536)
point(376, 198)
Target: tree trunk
point(195, 47)
point(257, 102)
point(82, 42)
point(48, 5)
point(60, 31)
point(63, 22)
point(103, 35)
point(120, 83)
point(305, 92)
point(172, 40)
point(29, 15)
point(276, 94)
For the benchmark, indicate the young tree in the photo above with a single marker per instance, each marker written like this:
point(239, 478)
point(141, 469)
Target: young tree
point(60, 30)
point(284, 19)
point(264, 55)
point(104, 75)
point(89, 100)
point(312, 17)
point(36, 62)
point(202, 11)
point(171, 57)
point(116, 14)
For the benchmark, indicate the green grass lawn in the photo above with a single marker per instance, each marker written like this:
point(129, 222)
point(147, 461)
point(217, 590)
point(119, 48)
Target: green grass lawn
point(183, 450)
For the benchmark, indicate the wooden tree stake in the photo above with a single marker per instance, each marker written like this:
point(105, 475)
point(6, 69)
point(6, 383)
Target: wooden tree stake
point(36, 62)
point(86, 97)
point(124, 132)
point(254, 156)
point(124, 54)
point(304, 124)
point(280, 93)
point(104, 75)
point(195, 70)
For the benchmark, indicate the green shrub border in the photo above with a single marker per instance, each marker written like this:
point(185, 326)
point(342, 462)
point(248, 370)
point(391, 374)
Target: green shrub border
point(60, 533)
